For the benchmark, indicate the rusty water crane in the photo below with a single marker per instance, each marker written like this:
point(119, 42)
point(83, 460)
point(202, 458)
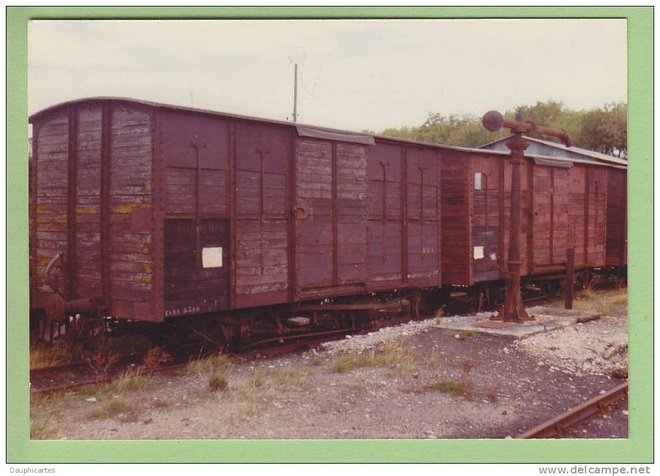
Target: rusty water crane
point(513, 309)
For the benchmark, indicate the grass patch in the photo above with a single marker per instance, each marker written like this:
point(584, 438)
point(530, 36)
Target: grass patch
point(131, 379)
point(209, 365)
point(45, 400)
point(43, 355)
point(392, 354)
point(434, 359)
point(115, 408)
point(217, 383)
point(606, 302)
point(468, 334)
point(285, 376)
point(456, 389)
point(87, 391)
point(257, 380)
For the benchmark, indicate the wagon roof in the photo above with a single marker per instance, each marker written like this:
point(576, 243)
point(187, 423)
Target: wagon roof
point(337, 134)
point(568, 152)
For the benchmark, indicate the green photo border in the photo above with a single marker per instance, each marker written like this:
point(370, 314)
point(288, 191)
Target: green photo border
point(638, 448)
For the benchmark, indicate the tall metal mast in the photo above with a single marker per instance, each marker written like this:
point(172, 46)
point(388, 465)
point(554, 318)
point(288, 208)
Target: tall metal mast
point(295, 93)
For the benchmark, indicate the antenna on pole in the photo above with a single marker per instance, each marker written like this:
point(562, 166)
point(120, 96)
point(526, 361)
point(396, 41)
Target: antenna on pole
point(295, 93)
point(190, 85)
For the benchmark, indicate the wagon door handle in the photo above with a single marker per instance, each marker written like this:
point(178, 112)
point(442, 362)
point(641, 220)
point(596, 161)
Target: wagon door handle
point(300, 213)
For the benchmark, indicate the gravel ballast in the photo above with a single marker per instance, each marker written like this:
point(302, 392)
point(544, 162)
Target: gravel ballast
point(415, 380)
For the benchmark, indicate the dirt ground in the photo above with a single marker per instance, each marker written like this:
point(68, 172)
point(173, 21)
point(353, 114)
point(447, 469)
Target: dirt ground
point(416, 380)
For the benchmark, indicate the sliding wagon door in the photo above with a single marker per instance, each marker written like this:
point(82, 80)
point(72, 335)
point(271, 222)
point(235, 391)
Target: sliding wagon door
point(196, 232)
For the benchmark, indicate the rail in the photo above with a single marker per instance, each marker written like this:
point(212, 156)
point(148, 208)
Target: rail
point(558, 426)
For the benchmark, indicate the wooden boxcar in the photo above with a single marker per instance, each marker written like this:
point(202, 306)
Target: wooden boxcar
point(160, 211)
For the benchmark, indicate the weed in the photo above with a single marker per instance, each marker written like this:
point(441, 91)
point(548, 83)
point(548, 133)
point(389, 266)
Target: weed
point(283, 376)
point(433, 360)
point(352, 361)
point(42, 355)
point(604, 302)
point(217, 383)
point(465, 335)
point(46, 400)
point(392, 354)
point(131, 379)
point(257, 380)
point(456, 389)
point(155, 358)
point(209, 365)
point(115, 408)
point(603, 309)
point(102, 360)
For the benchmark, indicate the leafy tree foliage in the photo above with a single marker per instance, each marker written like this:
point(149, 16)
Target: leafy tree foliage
point(602, 129)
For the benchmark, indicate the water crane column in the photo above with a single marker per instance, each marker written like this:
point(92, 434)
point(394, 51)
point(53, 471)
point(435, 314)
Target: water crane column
point(513, 309)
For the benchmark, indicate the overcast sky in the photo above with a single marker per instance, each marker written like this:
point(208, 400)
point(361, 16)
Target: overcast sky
point(352, 74)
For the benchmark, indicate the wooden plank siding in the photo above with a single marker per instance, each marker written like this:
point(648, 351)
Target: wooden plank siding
point(351, 187)
point(86, 210)
point(194, 158)
point(262, 155)
point(587, 215)
point(486, 227)
point(88, 206)
point(455, 198)
point(51, 170)
point(314, 230)
point(422, 215)
point(129, 241)
point(331, 218)
point(616, 247)
point(384, 216)
point(550, 215)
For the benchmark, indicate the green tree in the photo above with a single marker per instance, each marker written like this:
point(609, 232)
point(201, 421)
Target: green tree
point(606, 130)
point(601, 129)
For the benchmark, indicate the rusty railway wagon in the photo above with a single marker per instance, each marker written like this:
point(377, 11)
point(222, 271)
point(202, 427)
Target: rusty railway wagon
point(149, 212)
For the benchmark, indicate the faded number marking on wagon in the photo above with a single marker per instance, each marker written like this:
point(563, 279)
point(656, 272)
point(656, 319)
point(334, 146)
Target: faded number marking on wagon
point(182, 311)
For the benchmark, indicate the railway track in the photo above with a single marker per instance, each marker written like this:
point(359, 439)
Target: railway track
point(71, 375)
point(46, 380)
point(559, 426)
